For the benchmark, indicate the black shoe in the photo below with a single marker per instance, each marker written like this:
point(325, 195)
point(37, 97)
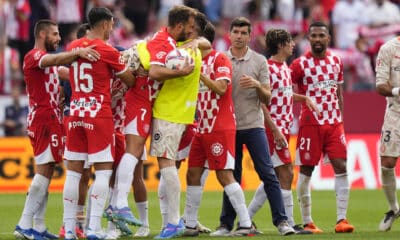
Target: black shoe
point(298, 229)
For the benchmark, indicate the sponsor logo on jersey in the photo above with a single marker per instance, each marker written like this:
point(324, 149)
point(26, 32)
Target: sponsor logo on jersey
point(74, 124)
point(223, 69)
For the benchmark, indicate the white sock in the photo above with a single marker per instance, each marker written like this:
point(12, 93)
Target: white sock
point(389, 187)
point(288, 204)
point(34, 199)
point(112, 199)
point(304, 197)
point(98, 198)
point(70, 199)
point(192, 204)
point(38, 219)
point(342, 195)
point(163, 199)
point(143, 209)
point(173, 189)
point(258, 200)
point(204, 176)
point(80, 214)
point(236, 196)
point(124, 176)
point(88, 207)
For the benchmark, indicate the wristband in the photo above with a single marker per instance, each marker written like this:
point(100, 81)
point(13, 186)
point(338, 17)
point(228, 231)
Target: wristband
point(395, 91)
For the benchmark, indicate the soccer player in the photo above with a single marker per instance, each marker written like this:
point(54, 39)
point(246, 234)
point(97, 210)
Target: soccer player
point(137, 123)
point(388, 85)
point(173, 108)
point(63, 73)
point(213, 145)
point(90, 134)
point(319, 75)
point(251, 90)
point(278, 116)
point(44, 122)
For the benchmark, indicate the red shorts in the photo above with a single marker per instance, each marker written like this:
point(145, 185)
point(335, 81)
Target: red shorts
point(279, 156)
point(90, 139)
point(314, 140)
point(138, 114)
point(47, 141)
point(119, 148)
point(186, 141)
point(215, 151)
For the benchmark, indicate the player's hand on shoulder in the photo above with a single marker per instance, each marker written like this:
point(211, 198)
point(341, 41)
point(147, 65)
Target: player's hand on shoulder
point(89, 53)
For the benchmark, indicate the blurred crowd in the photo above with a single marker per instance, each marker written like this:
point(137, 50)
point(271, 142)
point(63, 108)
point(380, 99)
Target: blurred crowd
point(358, 27)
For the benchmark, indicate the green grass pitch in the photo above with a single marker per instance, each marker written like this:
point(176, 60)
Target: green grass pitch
point(366, 209)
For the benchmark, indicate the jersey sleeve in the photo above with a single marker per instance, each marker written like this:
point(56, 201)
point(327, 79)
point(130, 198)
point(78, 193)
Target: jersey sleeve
point(223, 68)
point(383, 63)
point(296, 71)
point(35, 59)
point(158, 51)
point(113, 58)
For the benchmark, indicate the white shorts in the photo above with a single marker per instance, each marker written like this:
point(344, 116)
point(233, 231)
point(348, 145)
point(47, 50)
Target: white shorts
point(390, 136)
point(165, 138)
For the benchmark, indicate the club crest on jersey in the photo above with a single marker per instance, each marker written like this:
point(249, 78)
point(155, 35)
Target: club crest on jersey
point(217, 149)
point(307, 156)
point(161, 54)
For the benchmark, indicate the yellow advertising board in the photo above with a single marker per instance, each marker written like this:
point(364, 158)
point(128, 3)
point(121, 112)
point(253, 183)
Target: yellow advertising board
point(17, 169)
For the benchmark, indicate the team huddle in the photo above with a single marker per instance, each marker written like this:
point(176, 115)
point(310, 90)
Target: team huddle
point(204, 109)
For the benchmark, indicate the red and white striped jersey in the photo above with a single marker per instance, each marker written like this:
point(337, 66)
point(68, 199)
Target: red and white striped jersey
point(281, 103)
point(318, 78)
point(215, 112)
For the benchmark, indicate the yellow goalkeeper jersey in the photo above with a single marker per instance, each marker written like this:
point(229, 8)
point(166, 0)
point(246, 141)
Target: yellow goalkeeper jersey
point(177, 99)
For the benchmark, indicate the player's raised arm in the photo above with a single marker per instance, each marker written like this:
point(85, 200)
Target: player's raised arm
point(68, 57)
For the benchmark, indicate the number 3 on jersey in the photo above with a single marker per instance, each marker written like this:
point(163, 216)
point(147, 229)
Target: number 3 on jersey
point(82, 79)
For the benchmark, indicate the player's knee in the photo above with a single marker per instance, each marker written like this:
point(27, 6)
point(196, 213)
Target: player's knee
point(35, 186)
point(339, 166)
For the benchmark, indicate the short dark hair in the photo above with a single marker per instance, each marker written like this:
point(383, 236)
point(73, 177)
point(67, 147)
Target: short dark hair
point(99, 14)
point(318, 24)
point(180, 14)
point(274, 37)
point(41, 25)
point(82, 30)
point(240, 22)
point(201, 22)
point(209, 32)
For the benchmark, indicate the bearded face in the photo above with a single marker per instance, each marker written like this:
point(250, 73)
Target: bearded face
point(52, 39)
